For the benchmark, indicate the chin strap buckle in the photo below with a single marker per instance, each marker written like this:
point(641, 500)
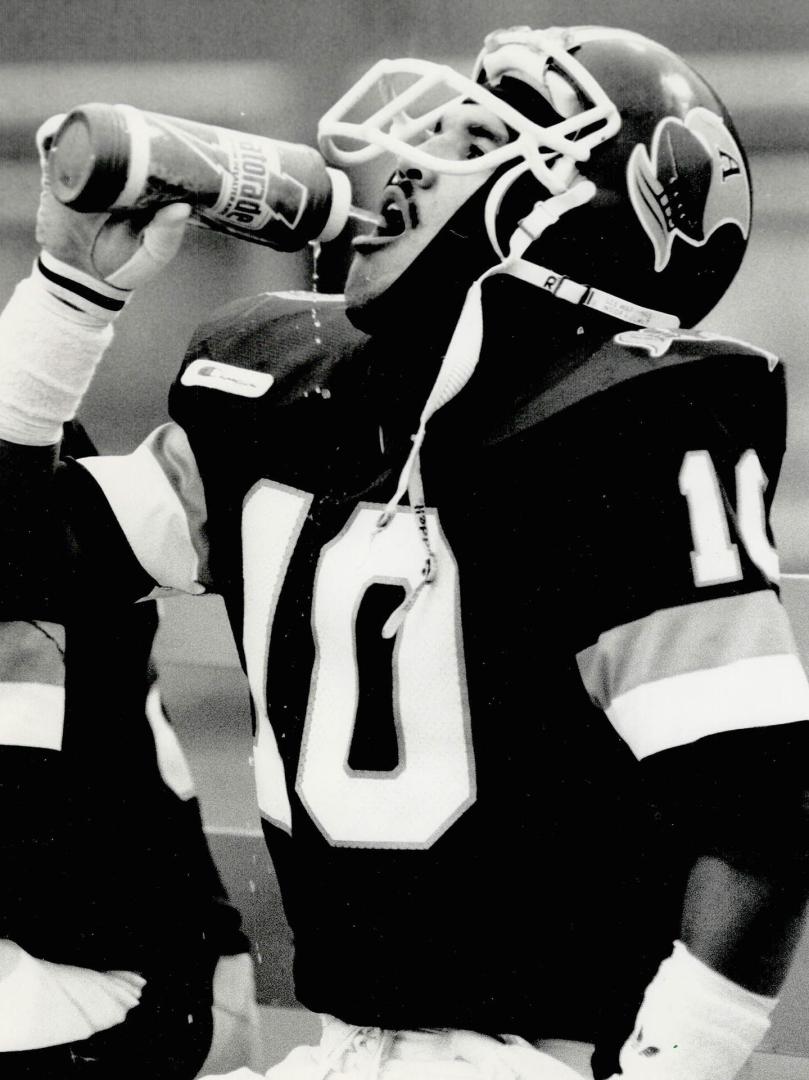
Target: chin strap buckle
point(587, 295)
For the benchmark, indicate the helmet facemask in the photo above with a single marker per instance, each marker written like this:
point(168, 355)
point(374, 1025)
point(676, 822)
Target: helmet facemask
point(558, 114)
point(577, 116)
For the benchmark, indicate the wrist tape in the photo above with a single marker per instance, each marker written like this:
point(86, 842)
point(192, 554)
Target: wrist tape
point(694, 1024)
point(53, 333)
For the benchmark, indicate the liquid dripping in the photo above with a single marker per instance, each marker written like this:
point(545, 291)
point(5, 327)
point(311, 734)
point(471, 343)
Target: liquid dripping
point(315, 246)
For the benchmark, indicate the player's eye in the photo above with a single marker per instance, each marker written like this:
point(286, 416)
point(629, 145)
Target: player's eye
point(482, 140)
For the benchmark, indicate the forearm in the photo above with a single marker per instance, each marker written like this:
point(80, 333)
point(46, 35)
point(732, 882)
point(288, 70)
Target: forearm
point(737, 803)
point(49, 350)
point(51, 340)
point(709, 1005)
point(743, 925)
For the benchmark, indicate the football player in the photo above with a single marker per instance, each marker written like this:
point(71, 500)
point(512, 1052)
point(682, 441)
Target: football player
point(120, 951)
point(492, 531)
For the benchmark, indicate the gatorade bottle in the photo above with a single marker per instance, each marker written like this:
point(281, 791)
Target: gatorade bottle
point(116, 157)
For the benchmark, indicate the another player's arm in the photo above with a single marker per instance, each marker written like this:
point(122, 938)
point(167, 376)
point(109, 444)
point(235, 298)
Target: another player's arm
point(53, 333)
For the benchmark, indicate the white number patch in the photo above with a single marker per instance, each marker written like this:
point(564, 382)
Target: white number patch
point(434, 783)
point(715, 559)
point(272, 520)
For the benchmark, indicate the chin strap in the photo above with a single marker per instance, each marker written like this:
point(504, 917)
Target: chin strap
point(463, 351)
point(588, 296)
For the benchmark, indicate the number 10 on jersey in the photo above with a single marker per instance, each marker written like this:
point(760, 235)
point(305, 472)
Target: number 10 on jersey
point(715, 559)
point(413, 804)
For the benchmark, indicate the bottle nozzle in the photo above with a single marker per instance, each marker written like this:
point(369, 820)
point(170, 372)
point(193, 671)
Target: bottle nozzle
point(368, 217)
point(342, 208)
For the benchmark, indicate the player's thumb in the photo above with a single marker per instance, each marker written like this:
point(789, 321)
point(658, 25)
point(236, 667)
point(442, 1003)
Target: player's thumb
point(44, 136)
point(159, 243)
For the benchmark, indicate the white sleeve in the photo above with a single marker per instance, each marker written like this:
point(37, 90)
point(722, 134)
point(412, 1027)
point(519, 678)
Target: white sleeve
point(157, 497)
point(44, 1004)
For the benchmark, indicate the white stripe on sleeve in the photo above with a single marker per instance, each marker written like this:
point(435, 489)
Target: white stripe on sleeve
point(157, 496)
point(758, 691)
point(32, 684)
point(32, 714)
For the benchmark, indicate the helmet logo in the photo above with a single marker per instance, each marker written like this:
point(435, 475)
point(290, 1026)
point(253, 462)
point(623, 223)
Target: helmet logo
point(693, 180)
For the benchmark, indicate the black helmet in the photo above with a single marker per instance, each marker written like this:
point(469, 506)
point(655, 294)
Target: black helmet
point(624, 187)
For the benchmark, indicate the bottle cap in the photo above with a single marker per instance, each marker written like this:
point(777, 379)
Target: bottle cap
point(87, 162)
point(340, 205)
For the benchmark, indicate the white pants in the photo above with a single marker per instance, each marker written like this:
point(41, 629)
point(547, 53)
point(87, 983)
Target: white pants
point(351, 1052)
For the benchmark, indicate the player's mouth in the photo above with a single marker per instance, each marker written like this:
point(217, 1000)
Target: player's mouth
point(399, 215)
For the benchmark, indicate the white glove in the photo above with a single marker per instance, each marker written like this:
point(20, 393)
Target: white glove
point(120, 249)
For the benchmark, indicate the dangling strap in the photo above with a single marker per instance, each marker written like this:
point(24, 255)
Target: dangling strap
point(428, 569)
point(457, 367)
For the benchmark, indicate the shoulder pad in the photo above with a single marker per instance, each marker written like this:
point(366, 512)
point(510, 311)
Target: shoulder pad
point(693, 344)
point(228, 334)
point(270, 340)
point(636, 355)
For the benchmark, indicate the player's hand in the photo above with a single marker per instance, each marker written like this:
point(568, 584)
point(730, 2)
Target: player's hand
point(122, 249)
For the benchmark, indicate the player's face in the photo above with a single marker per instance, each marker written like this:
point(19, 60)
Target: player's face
point(417, 203)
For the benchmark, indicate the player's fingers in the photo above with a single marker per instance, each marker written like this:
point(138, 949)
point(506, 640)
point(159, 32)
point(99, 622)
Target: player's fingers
point(164, 234)
point(159, 243)
point(44, 135)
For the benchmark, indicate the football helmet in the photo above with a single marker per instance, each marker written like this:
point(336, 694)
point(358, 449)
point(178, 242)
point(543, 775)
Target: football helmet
point(624, 187)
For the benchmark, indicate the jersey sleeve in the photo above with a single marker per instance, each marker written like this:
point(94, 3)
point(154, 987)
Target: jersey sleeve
point(157, 497)
point(671, 592)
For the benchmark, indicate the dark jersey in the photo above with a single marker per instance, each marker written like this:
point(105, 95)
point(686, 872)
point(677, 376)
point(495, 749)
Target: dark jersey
point(453, 797)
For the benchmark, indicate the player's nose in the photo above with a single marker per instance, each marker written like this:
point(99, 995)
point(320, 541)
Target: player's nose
point(413, 175)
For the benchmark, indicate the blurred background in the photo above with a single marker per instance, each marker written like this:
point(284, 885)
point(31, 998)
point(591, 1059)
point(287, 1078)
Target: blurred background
point(272, 67)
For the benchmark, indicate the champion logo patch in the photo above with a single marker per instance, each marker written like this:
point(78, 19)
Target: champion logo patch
point(226, 377)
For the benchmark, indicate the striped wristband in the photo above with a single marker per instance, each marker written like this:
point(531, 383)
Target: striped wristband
point(79, 290)
point(50, 346)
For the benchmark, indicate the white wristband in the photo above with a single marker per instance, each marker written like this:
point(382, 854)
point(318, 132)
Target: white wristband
point(49, 350)
point(79, 290)
point(694, 1024)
